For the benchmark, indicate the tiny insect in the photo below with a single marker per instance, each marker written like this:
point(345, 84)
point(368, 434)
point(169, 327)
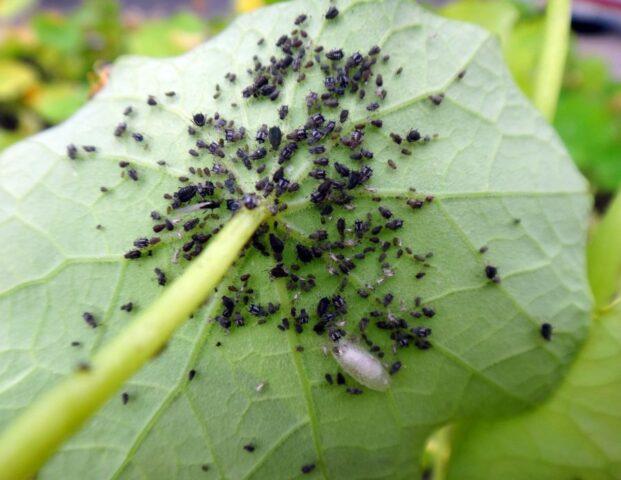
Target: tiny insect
point(332, 13)
point(546, 331)
point(361, 365)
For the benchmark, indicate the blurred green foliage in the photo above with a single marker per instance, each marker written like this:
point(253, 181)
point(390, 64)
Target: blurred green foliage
point(589, 121)
point(49, 64)
point(588, 117)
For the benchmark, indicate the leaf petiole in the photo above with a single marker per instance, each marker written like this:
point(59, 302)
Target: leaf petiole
point(549, 75)
point(37, 433)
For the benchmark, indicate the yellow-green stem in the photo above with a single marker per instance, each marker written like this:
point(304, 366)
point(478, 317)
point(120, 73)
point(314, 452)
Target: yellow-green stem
point(551, 66)
point(39, 431)
point(604, 256)
point(438, 452)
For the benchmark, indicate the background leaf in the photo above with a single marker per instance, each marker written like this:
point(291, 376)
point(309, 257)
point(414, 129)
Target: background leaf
point(589, 117)
point(574, 435)
point(17, 79)
point(57, 101)
point(164, 38)
point(499, 176)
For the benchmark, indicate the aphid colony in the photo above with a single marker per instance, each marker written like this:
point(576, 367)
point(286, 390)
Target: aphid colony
point(339, 165)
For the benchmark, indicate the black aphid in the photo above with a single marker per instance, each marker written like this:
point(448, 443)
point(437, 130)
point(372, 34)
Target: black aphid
point(428, 312)
point(329, 378)
point(199, 119)
point(249, 447)
point(142, 242)
point(191, 375)
point(128, 307)
point(413, 136)
point(89, 318)
point(335, 54)
point(120, 129)
point(332, 13)
point(546, 331)
point(138, 137)
point(133, 174)
point(384, 212)
point(275, 137)
point(83, 367)
point(160, 276)
point(277, 244)
point(124, 398)
point(133, 254)
point(308, 468)
point(72, 151)
point(353, 391)
point(491, 272)
point(394, 224)
point(283, 111)
point(187, 193)
point(395, 367)
point(304, 253)
point(341, 169)
point(436, 99)
point(300, 19)
point(151, 101)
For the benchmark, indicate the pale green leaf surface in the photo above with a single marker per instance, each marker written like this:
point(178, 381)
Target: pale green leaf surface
point(574, 435)
point(494, 160)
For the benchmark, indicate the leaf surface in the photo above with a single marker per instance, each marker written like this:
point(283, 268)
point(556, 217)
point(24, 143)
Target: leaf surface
point(499, 178)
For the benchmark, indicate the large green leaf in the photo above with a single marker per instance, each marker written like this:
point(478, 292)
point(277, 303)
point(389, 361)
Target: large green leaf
point(499, 176)
point(574, 435)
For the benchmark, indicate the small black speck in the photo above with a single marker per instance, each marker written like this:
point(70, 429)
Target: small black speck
point(89, 318)
point(395, 367)
point(491, 272)
point(332, 13)
point(161, 276)
point(128, 307)
point(546, 331)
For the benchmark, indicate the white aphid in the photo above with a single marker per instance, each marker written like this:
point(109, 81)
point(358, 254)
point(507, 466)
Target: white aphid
point(361, 365)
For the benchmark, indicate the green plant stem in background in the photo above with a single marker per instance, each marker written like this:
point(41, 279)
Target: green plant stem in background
point(604, 256)
point(551, 66)
point(438, 452)
point(38, 432)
